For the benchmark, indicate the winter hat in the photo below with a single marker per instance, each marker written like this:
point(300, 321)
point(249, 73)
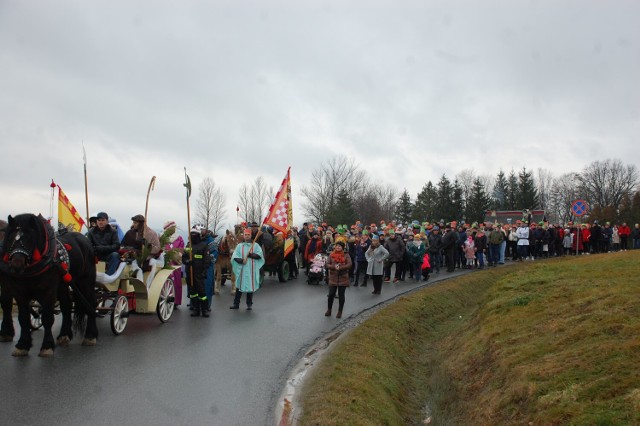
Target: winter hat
point(375, 237)
point(136, 218)
point(169, 224)
point(365, 232)
point(102, 215)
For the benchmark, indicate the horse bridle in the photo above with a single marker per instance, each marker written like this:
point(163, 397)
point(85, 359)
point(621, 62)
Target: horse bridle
point(17, 247)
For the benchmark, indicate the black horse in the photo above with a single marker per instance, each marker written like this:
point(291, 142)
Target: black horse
point(35, 265)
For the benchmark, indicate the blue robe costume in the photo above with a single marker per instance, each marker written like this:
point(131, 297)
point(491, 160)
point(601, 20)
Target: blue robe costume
point(247, 275)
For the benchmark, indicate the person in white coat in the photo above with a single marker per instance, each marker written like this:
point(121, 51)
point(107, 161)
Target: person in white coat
point(523, 241)
point(376, 255)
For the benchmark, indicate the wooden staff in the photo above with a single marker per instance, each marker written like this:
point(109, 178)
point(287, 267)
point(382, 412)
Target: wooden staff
point(86, 187)
point(146, 206)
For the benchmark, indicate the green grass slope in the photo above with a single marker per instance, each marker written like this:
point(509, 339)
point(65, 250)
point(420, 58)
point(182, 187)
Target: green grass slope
point(550, 342)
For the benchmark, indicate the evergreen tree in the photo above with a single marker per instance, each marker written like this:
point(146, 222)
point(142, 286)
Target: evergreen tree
point(527, 192)
point(457, 201)
point(634, 216)
point(512, 192)
point(626, 206)
point(423, 208)
point(342, 212)
point(404, 208)
point(500, 192)
point(444, 208)
point(478, 202)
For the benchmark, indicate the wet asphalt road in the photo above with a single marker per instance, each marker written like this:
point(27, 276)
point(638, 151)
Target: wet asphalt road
point(229, 369)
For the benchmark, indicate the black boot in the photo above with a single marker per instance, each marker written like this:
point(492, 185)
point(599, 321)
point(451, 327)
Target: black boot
point(236, 300)
point(329, 305)
point(204, 305)
point(196, 303)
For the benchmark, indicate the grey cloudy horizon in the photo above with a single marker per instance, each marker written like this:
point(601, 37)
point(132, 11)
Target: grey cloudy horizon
point(411, 90)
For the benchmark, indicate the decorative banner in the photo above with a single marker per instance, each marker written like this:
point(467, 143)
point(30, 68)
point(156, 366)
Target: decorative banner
point(68, 216)
point(279, 217)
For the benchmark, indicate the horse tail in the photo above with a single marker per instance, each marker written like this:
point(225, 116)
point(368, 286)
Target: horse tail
point(79, 320)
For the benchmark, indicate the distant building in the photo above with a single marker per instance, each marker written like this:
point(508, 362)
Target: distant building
point(510, 216)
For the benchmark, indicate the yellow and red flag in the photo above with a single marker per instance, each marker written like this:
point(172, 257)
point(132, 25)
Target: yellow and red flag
point(68, 216)
point(280, 216)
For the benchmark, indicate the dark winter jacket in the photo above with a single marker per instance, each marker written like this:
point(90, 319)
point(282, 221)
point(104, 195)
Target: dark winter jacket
point(480, 241)
point(449, 240)
point(396, 248)
point(435, 243)
point(596, 234)
point(361, 249)
point(416, 252)
point(104, 241)
point(199, 259)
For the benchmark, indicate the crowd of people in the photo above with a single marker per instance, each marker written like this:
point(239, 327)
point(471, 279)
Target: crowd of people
point(352, 255)
point(414, 251)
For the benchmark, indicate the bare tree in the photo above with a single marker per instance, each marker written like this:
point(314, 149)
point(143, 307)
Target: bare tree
point(544, 183)
point(339, 173)
point(465, 179)
point(254, 200)
point(210, 205)
point(388, 196)
point(605, 183)
point(562, 194)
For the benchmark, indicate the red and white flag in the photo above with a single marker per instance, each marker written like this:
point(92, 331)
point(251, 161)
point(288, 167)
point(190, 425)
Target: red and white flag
point(280, 217)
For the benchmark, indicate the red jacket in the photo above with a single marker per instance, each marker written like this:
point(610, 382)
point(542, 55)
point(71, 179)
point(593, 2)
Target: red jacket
point(624, 230)
point(310, 254)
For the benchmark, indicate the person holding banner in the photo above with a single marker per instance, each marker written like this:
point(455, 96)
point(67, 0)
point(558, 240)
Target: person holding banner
point(105, 242)
point(246, 261)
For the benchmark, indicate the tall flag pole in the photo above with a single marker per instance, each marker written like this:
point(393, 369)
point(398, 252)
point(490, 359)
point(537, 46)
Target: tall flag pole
point(187, 185)
point(86, 186)
point(68, 216)
point(52, 185)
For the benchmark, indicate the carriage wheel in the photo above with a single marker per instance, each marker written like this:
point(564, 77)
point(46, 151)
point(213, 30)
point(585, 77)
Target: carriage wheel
point(35, 317)
point(283, 272)
point(119, 315)
point(166, 300)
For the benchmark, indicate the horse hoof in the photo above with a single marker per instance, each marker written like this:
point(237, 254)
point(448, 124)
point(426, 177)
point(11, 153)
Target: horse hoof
point(46, 353)
point(5, 338)
point(20, 352)
point(63, 341)
point(89, 342)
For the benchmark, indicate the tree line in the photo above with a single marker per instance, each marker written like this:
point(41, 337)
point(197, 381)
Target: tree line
point(341, 192)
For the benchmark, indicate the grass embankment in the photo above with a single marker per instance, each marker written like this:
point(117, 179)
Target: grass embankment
point(551, 342)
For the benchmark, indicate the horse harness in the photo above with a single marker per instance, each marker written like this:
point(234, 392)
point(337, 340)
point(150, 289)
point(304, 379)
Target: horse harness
point(54, 254)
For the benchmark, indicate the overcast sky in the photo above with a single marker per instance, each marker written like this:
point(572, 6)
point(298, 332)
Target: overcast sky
point(238, 89)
